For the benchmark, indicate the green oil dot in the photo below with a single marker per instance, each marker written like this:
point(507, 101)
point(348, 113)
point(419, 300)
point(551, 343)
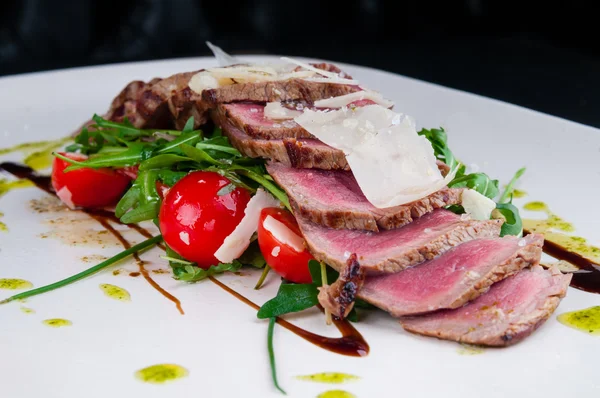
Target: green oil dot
point(162, 373)
point(517, 193)
point(336, 394)
point(15, 284)
point(57, 322)
point(115, 292)
point(26, 310)
point(470, 349)
point(536, 206)
point(329, 377)
point(587, 320)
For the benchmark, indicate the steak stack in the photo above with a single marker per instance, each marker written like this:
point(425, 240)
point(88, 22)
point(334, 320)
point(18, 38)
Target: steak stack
point(441, 274)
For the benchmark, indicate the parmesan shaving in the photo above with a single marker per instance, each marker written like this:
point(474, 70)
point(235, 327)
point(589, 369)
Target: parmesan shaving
point(344, 100)
point(223, 59)
point(392, 164)
point(274, 111)
point(65, 195)
point(204, 80)
point(332, 76)
point(479, 207)
point(238, 241)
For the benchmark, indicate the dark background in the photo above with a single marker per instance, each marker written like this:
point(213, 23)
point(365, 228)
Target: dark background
point(540, 54)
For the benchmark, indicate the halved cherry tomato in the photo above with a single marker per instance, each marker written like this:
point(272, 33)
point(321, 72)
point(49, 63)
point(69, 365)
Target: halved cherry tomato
point(283, 246)
point(87, 187)
point(198, 213)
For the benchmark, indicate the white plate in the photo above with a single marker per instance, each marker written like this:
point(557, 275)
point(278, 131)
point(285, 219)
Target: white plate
point(219, 340)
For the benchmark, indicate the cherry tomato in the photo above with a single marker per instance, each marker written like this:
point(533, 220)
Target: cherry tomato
point(87, 187)
point(285, 250)
point(195, 220)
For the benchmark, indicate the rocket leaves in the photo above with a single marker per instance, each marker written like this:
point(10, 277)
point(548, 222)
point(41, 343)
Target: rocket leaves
point(164, 156)
point(479, 182)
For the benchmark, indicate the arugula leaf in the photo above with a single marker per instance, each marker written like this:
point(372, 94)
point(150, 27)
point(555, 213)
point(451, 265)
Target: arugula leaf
point(126, 157)
point(297, 297)
point(128, 201)
point(170, 177)
point(147, 211)
point(174, 146)
point(272, 354)
point(511, 186)
point(259, 177)
point(198, 155)
point(191, 273)
point(439, 142)
point(189, 125)
point(220, 144)
point(513, 224)
point(479, 182)
point(253, 256)
point(290, 298)
point(162, 161)
point(315, 272)
point(141, 202)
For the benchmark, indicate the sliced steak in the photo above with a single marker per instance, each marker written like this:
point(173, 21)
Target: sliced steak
point(154, 104)
point(333, 199)
point(283, 90)
point(454, 278)
point(184, 104)
point(250, 118)
point(396, 249)
point(339, 297)
point(510, 311)
point(300, 153)
point(125, 104)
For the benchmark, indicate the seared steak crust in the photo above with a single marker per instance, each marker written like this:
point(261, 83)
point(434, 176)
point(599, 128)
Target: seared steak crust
point(124, 104)
point(339, 297)
point(292, 89)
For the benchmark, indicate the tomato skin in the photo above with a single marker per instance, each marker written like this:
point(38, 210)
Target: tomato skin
point(286, 261)
point(87, 187)
point(195, 220)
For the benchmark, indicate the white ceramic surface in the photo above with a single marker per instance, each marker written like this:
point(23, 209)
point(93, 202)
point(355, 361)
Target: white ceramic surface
point(219, 340)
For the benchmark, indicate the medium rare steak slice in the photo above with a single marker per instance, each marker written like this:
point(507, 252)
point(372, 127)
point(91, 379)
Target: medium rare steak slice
point(454, 278)
point(338, 298)
point(396, 249)
point(250, 118)
point(333, 199)
point(510, 311)
point(300, 153)
point(272, 91)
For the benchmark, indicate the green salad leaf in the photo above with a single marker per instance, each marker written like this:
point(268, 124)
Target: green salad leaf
point(192, 273)
point(510, 187)
point(512, 220)
point(290, 297)
point(296, 297)
point(479, 182)
point(165, 160)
